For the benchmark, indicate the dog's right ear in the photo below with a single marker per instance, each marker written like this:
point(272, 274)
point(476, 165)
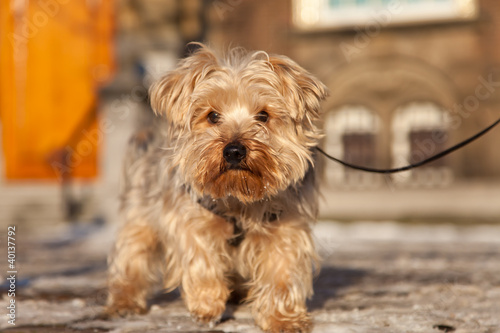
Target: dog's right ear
point(171, 95)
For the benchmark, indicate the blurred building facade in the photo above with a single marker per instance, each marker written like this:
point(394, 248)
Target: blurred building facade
point(405, 82)
point(407, 78)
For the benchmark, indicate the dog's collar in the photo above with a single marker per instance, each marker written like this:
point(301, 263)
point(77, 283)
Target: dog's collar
point(238, 231)
point(213, 207)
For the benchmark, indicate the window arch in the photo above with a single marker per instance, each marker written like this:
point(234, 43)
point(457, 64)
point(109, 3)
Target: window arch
point(351, 134)
point(420, 130)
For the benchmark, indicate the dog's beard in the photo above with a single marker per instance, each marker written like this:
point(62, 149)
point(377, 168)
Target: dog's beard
point(254, 179)
point(242, 184)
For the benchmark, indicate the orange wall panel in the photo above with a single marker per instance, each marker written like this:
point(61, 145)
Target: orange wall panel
point(52, 60)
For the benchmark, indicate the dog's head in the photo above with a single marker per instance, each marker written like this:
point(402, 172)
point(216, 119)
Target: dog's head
point(242, 126)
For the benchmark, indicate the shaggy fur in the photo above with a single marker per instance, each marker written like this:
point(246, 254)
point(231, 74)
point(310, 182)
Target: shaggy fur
point(196, 219)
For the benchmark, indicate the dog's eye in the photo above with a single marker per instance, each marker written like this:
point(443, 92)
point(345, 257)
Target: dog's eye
point(262, 116)
point(213, 117)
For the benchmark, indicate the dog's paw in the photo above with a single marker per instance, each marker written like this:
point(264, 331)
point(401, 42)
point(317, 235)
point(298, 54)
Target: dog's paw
point(208, 316)
point(207, 303)
point(123, 308)
point(207, 313)
point(298, 324)
point(206, 320)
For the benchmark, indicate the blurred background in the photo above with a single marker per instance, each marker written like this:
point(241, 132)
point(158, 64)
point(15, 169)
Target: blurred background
point(408, 78)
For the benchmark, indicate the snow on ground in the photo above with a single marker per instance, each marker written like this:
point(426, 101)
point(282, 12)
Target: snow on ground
point(375, 277)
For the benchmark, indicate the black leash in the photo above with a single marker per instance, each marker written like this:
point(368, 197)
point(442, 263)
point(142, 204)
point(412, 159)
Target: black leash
point(418, 164)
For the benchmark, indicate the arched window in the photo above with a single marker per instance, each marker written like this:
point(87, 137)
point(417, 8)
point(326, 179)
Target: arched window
point(351, 134)
point(420, 131)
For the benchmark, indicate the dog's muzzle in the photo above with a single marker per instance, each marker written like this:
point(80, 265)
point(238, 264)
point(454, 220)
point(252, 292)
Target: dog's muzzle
point(234, 153)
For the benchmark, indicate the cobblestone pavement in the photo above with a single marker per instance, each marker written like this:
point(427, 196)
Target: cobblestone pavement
point(376, 277)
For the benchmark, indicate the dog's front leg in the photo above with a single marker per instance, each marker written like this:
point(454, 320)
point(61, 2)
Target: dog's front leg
point(205, 265)
point(134, 269)
point(279, 264)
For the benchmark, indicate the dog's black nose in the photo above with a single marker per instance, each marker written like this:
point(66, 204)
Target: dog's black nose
point(234, 153)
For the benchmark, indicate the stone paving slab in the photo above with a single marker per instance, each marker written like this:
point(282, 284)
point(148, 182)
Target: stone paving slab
point(376, 277)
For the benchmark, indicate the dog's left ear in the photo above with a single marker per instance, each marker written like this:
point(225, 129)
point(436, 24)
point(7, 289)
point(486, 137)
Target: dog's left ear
point(300, 87)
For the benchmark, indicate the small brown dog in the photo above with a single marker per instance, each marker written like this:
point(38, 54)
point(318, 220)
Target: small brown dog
point(223, 190)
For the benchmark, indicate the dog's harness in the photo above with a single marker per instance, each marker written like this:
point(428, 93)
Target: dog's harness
point(238, 231)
